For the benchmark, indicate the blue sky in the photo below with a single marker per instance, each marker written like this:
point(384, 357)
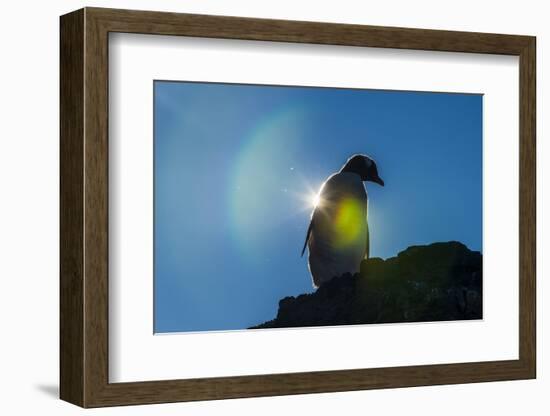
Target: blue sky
point(236, 167)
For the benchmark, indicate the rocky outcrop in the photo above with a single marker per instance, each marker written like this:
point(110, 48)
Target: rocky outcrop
point(436, 282)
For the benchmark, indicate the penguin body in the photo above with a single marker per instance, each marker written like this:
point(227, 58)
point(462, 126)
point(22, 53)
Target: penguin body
point(338, 242)
point(338, 234)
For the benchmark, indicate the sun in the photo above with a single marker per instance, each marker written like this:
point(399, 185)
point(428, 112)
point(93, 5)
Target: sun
point(309, 196)
point(315, 200)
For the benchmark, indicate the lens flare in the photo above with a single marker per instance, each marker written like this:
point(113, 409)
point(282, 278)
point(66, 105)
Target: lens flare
point(258, 198)
point(315, 200)
point(348, 222)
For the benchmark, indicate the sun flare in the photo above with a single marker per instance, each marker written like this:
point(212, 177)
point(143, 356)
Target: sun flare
point(315, 200)
point(309, 196)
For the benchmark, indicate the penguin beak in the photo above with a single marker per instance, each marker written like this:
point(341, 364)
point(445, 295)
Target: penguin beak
point(378, 181)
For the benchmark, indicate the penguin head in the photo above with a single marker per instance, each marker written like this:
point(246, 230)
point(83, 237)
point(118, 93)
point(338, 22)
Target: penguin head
point(365, 167)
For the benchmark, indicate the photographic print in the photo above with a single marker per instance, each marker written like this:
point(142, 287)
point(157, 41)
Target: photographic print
point(289, 206)
point(321, 183)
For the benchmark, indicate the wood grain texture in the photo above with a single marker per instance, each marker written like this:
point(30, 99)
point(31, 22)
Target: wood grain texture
point(162, 23)
point(84, 207)
point(71, 213)
point(527, 208)
point(96, 208)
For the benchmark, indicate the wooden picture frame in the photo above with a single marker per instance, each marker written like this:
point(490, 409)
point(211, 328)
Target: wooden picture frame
point(84, 207)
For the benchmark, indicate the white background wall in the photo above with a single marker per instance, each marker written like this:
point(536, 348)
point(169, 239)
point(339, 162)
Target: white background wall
point(29, 207)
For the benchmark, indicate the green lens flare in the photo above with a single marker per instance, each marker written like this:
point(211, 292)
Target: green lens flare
point(348, 222)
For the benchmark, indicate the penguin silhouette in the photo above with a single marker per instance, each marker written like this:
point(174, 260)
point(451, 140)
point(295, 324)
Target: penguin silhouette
point(338, 233)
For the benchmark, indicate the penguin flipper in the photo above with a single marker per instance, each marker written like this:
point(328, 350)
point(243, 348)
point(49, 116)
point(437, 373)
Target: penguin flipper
point(307, 236)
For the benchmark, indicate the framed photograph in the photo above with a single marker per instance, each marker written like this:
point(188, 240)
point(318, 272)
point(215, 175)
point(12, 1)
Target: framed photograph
point(254, 207)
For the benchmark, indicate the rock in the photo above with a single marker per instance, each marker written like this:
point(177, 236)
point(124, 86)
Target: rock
point(436, 282)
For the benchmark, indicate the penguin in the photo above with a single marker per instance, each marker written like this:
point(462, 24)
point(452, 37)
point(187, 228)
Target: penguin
point(338, 232)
